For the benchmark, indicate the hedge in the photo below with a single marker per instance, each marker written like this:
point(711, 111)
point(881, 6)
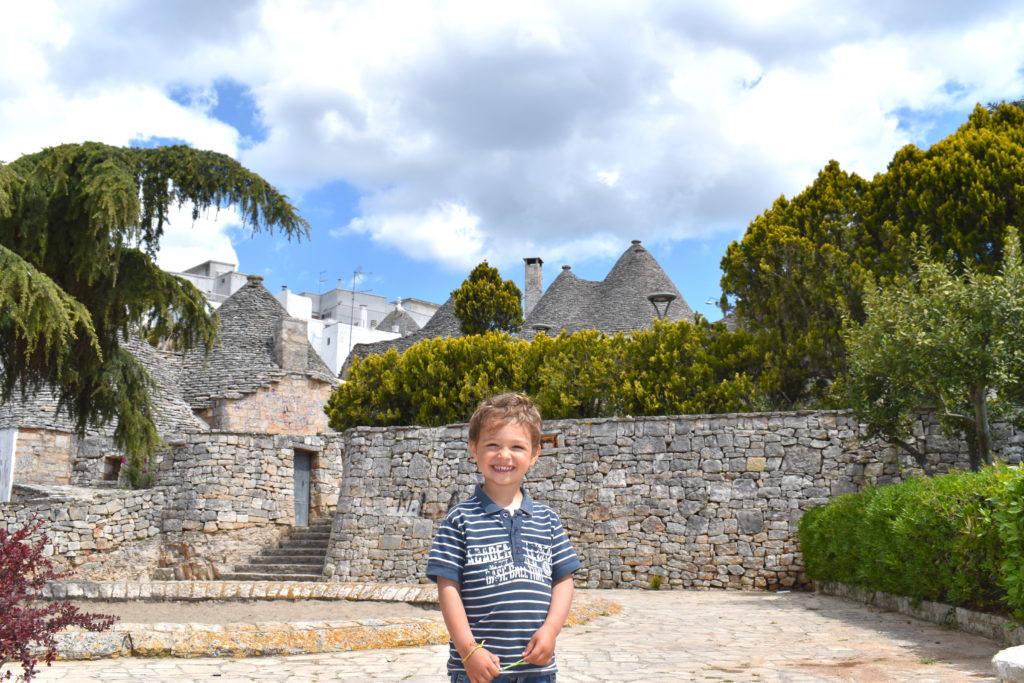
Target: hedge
point(956, 538)
point(672, 368)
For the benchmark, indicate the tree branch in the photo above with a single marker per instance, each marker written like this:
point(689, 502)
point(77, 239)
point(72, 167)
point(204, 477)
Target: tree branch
point(918, 456)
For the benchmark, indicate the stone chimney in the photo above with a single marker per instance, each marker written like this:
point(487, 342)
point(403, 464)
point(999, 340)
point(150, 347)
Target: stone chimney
point(290, 345)
point(534, 284)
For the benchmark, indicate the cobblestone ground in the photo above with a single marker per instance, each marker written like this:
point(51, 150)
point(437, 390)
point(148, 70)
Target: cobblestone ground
point(708, 636)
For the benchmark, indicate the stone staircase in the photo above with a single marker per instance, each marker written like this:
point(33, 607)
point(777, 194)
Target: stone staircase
point(298, 557)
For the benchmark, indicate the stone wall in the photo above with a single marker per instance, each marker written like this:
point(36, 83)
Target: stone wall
point(218, 498)
point(293, 405)
point(699, 501)
point(44, 456)
point(90, 529)
point(237, 480)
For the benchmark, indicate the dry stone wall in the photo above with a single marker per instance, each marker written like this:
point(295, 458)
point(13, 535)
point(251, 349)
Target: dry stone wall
point(690, 502)
point(217, 499)
point(236, 480)
point(42, 456)
point(88, 527)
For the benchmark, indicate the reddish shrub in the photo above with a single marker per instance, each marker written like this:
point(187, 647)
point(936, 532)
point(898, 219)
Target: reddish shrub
point(29, 625)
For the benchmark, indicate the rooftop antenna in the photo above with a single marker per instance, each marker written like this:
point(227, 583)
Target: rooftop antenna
point(356, 275)
point(320, 282)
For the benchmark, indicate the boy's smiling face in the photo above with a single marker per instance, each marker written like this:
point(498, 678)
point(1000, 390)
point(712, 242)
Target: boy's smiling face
point(504, 454)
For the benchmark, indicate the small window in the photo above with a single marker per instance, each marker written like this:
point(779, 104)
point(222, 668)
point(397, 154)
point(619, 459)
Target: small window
point(328, 341)
point(111, 468)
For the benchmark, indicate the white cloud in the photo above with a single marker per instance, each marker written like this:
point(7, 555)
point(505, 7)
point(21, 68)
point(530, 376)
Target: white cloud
point(188, 243)
point(446, 233)
point(496, 129)
point(71, 78)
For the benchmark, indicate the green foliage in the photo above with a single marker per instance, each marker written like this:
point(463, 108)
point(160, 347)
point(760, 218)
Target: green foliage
point(373, 396)
point(798, 268)
point(486, 303)
point(575, 375)
point(961, 193)
point(445, 379)
point(942, 340)
point(29, 628)
point(941, 538)
point(1008, 518)
point(805, 264)
point(672, 368)
point(79, 226)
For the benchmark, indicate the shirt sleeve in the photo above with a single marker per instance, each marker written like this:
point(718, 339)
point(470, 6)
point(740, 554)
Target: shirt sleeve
point(564, 560)
point(448, 553)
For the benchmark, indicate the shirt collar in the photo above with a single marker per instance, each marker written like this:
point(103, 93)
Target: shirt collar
point(492, 508)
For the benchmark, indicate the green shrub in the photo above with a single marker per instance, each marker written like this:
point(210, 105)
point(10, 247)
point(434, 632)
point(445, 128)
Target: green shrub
point(678, 369)
point(672, 368)
point(946, 538)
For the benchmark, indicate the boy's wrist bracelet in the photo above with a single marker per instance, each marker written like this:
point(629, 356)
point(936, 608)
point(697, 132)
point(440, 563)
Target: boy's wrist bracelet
point(472, 650)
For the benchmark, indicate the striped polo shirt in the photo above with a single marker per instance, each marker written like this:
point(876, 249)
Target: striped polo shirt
point(504, 565)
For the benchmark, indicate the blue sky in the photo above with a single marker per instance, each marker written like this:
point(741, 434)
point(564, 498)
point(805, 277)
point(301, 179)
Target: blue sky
point(421, 137)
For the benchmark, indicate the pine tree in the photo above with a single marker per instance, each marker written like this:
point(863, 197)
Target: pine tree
point(80, 225)
point(486, 303)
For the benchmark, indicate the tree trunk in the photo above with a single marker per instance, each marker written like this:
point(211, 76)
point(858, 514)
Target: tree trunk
point(983, 433)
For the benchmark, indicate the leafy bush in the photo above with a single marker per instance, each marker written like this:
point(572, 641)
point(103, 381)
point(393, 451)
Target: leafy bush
point(955, 538)
point(673, 368)
point(682, 368)
point(26, 629)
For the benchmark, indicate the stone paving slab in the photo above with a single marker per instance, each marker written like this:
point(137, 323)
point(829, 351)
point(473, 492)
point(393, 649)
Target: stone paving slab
point(239, 590)
point(706, 636)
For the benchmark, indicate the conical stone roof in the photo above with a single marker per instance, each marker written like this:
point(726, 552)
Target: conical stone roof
point(173, 416)
point(400, 319)
point(243, 360)
point(620, 302)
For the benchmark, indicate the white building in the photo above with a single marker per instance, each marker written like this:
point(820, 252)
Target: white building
point(331, 338)
point(336, 320)
point(216, 279)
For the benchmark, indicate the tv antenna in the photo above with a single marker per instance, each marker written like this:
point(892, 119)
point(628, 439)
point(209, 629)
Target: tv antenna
point(357, 274)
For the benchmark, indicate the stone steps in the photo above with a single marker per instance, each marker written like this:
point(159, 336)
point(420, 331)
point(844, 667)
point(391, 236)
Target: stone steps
point(253, 576)
point(299, 557)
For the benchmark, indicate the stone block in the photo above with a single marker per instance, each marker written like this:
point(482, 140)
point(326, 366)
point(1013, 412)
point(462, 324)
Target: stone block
point(750, 521)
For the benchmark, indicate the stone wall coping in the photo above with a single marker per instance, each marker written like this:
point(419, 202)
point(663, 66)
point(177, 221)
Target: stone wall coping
point(992, 626)
point(263, 638)
point(239, 590)
point(249, 640)
point(624, 418)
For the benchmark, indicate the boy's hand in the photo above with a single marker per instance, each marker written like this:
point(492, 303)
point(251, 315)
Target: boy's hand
point(541, 647)
point(483, 666)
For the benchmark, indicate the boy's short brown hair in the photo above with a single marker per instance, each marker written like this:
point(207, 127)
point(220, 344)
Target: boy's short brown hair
point(504, 409)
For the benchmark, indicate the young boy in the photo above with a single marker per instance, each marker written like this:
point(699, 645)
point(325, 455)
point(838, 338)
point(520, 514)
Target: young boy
point(502, 561)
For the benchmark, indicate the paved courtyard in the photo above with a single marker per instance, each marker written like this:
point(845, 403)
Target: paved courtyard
point(659, 636)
